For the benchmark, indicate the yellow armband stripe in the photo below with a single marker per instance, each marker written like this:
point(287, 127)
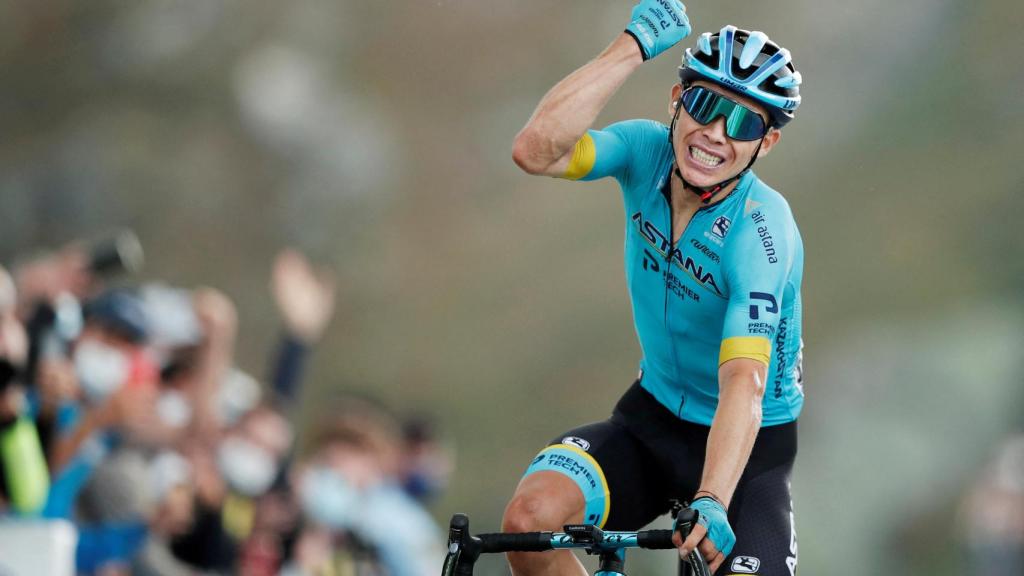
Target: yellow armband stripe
point(584, 153)
point(753, 347)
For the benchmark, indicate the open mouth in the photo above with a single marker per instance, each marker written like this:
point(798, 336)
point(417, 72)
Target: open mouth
point(705, 159)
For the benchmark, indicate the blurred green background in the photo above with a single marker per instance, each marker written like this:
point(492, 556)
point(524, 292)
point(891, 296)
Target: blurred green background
point(376, 136)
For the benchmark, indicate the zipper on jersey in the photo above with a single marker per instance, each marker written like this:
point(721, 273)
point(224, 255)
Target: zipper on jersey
point(666, 194)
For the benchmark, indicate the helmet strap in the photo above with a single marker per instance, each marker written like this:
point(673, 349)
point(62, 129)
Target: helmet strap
point(706, 193)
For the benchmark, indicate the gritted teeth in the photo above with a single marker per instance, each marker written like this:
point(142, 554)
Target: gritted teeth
point(702, 157)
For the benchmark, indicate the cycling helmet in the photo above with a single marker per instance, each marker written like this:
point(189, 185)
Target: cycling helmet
point(747, 63)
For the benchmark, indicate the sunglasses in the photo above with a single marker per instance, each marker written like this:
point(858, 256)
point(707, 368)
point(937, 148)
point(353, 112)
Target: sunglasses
point(741, 123)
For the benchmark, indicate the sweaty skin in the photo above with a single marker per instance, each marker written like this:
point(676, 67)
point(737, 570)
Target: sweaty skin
point(545, 500)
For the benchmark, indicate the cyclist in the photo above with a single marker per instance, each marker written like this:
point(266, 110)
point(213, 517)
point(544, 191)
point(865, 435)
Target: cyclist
point(713, 264)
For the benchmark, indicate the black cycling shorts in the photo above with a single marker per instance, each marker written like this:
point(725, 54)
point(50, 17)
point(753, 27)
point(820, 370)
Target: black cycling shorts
point(632, 465)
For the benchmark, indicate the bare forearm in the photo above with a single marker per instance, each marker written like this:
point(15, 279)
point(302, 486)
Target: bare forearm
point(571, 107)
point(733, 433)
point(214, 363)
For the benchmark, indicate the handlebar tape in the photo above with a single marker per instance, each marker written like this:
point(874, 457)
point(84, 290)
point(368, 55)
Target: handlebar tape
point(524, 542)
point(655, 539)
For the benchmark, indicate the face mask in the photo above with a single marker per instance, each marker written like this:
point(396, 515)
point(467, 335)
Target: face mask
point(101, 369)
point(329, 499)
point(173, 409)
point(248, 468)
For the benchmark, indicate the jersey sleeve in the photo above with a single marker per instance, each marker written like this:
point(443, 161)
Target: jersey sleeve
point(761, 252)
point(617, 150)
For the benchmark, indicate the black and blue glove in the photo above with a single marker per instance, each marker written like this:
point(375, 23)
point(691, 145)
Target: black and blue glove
point(715, 520)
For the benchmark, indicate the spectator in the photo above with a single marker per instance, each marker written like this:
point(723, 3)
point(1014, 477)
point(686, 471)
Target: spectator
point(426, 463)
point(170, 460)
point(24, 478)
point(305, 300)
point(360, 519)
point(171, 482)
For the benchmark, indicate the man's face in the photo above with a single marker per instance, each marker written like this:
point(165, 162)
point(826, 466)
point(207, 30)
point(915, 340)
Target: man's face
point(705, 154)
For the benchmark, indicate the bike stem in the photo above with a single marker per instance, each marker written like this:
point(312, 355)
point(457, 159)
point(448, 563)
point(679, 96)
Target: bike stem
point(611, 563)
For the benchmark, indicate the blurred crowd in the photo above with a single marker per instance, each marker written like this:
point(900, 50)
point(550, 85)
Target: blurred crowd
point(991, 515)
point(122, 411)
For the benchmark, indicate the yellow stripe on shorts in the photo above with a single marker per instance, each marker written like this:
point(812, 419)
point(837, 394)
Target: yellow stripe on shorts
point(600, 474)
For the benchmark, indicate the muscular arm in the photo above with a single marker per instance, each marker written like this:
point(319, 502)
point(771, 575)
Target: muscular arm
point(734, 429)
point(545, 145)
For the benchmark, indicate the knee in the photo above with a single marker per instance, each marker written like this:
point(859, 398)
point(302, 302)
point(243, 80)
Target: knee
point(528, 513)
point(541, 510)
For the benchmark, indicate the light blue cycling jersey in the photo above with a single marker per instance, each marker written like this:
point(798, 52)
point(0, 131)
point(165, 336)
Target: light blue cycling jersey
point(729, 288)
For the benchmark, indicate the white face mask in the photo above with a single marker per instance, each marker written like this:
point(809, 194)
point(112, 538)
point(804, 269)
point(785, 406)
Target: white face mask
point(248, 468)
point(330, 500)
point(101, 369)
point(174, 409)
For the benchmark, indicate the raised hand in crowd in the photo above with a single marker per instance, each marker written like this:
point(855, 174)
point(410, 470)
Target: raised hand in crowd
point(304, 295)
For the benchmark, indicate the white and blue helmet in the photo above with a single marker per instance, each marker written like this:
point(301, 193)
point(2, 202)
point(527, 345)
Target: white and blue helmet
point(746, 63)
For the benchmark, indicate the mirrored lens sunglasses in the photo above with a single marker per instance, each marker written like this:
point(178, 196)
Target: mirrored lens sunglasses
point(741, 123)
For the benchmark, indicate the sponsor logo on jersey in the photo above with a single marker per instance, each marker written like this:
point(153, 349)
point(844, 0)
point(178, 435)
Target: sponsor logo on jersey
point(661, 243)
point(654, 237)
point(711, 254)
point(678, 288)
point(651, 262)
point(745, 565)
point(767, 242)
point(772, 306)
point(697, 272)
point(720, 227)
point(761, 328)
point(577, 442)
point(780, 357)
point(750, 206)
point(800, 368)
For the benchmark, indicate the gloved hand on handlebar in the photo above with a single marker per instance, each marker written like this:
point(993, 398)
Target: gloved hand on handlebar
point(658, 25)
point(712, 536)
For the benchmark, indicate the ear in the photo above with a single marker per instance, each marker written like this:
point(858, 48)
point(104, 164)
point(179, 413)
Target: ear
point(770, 140)
point(674, 99)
